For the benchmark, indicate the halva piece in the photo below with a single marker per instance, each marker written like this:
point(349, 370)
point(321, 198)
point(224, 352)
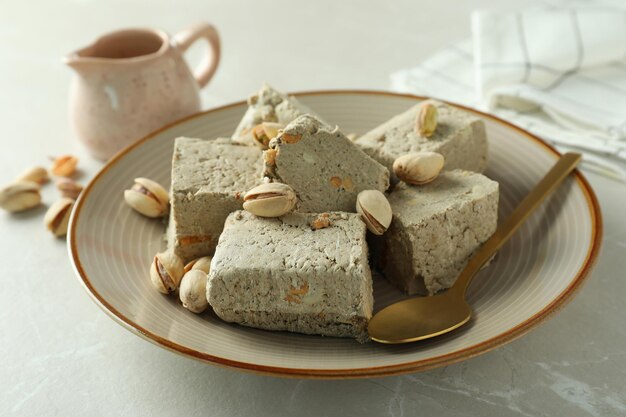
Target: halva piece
point(325, 169)
point(268, 105)
point(459, 136)
point(209, 179)
point(305, 273)
point(435, 230)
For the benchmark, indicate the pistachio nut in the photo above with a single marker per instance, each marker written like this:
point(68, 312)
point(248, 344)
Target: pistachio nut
point(290, 138)
point(419, 167)
point(322, 221)
point(20, 196)
point(57, 217)
point(375, 210)
point(269, 157)
point(192, 292)
point(64, 165)
point(166, 271)
point(426, 122)
point(148, 198)
point(68, 188)
point(203, 264)
point(264, 132)
point(270, 200)
point(37, 175)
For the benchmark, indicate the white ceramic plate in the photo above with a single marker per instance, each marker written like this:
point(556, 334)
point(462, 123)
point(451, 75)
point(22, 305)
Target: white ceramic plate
point(534, 274)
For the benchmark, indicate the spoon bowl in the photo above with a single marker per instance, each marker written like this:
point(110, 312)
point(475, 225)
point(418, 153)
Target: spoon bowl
point(420, 318)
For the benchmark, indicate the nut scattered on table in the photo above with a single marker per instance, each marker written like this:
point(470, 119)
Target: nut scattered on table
point(270, 200)
point(264, 132)
point(58, 216)
point(148, 198)
point(69, 188)
point(426, 122)
point(166, 271)
point(203, 264)
point(192, 292)
point(37, 175)
point(64, 165)
point(375, 210)
point(20, 196)
point(419, 167)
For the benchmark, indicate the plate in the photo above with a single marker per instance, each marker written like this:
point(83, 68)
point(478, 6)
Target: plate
point(534, 275)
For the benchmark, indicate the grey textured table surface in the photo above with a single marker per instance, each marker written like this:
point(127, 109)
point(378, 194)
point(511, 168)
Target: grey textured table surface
point(61, 355)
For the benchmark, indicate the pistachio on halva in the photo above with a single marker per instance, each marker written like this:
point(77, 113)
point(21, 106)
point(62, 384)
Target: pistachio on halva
point(375, 210)
point(264, 132)
point(427, 118)
point(418, 167)
point(57, 217)
point(192, 291)
point(148, 198)
point(166, 271)
point(270, 200)
point(20, 196)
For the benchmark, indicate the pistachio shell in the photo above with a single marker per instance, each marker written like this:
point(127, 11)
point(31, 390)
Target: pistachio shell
point(270, 200)
point(203, 264)
point(148, 198)
point(419, 167)
point(375, 210)
point(264, 132)
point(64, 166)
point(69, 188)
point(192, 292)
point(166, 271)
point(155, 188)
point(426, 122)
point(57, 217)
point(20, 196)
point(37, 175)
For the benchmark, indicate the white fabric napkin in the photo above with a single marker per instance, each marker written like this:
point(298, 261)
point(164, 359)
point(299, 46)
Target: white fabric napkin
point(557, 72)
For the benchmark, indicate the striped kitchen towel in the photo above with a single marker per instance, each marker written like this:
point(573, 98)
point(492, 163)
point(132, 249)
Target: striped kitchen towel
point(559, 72)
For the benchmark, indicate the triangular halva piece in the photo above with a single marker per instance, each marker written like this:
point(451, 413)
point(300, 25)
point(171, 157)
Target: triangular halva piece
point(323, 166)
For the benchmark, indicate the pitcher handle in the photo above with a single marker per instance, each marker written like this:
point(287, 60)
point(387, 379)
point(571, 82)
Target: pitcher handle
point(185, 38)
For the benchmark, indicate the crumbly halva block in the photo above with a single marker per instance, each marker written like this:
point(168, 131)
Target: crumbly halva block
point(303, 272)
point(324, 167)
point(268, 105)
point(435, 230)
point(209, 179)
point(460, 137)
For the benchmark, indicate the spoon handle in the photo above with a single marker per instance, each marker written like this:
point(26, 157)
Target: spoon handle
point(503, 233)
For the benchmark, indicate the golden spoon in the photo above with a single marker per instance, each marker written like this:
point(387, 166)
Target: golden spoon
point(425, 317)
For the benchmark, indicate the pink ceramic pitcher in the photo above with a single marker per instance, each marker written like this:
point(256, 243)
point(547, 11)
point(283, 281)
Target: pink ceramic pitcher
point(131, 82)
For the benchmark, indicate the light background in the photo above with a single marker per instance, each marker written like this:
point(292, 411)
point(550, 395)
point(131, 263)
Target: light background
point(60, 355)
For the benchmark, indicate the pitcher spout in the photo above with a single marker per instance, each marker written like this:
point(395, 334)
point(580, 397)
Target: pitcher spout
point(84, 58)
point(73, 61)
point(120, 47)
